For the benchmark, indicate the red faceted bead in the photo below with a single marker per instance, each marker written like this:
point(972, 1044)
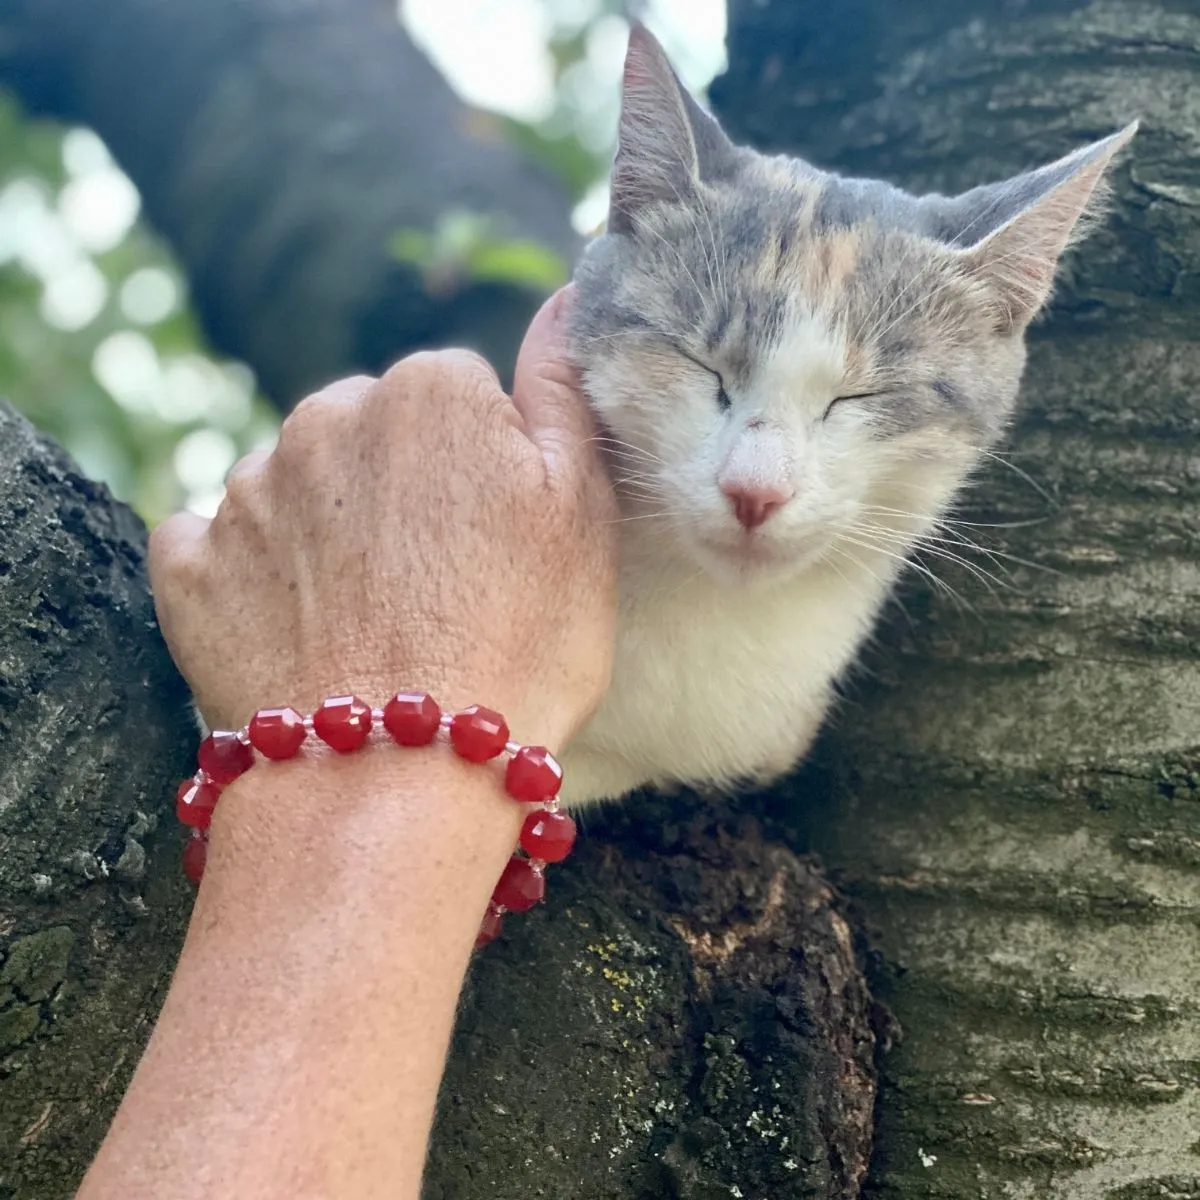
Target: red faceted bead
point(277, 732)
point(195, 855)
point(223, 756)
point(412, 718)
point(548, 836)
point(489, 930)
point(194, 803)
point(521, 886)
point(478, 733)
point(533, 775)
point(343, 723)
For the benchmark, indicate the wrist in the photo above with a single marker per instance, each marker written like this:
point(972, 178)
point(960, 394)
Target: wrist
point(293, 824)
point(324, 960)
point(324, 815)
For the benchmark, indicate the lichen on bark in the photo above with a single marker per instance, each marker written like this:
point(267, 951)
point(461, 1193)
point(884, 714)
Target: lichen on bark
point(686, 1018)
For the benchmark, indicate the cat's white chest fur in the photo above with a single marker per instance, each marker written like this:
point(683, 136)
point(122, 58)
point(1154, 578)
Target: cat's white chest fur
point(715, 684)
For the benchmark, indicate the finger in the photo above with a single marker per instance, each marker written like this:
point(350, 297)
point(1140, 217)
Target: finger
point(350, 389)
point(546, 388)
point(174, 543)
point(417, 388)
point(411, 375)
point(468, 362)
point(248, 466)
point(340, 391)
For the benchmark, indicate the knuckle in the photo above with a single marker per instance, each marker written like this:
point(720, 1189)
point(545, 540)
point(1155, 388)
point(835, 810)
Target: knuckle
point(471, 363)
point(317, 421)
point(352, 385)
point(164, 542)
point(348, 391)
point(307, 410)
point(173, 556)
point(247, 473)
point(444, 368)
point(158, 554)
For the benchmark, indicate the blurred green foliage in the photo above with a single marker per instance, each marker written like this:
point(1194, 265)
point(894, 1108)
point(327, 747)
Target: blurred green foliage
point(575, 139)
point(465, 246)
point(97, 345)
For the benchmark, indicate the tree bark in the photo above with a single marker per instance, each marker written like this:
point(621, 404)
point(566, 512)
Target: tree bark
point(94, 730)
point(1012, 799)
point(278, 145)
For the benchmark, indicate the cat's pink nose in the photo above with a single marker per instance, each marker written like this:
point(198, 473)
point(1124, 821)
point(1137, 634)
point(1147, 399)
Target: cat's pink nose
point(752, 504)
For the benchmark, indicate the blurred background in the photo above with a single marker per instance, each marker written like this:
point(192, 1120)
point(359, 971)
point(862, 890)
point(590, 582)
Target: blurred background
point(99, 342)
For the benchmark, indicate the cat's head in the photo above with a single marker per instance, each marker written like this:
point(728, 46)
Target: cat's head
point(786, 359)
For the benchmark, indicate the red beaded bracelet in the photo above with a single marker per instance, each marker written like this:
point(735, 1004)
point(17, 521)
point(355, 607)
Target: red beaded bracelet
point(344, 723)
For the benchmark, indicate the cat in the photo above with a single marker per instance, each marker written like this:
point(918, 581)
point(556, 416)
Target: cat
point(794, 374)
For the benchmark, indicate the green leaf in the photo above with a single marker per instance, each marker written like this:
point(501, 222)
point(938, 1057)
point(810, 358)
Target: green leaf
point(522, 263)
point(566, 157)
point(413, 246)
point(463, 248)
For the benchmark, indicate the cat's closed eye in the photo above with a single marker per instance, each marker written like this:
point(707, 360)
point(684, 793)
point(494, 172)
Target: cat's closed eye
point(843, 399)
point(723, 401)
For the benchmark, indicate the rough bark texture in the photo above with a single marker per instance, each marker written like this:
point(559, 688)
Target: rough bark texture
point(93, 731)
point(278, 144)
point(686, 1018)
point(1013, 800)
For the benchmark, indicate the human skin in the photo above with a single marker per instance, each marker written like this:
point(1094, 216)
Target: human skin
point(420, 531)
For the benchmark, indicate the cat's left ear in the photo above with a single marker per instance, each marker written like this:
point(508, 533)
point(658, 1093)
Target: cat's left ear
point(666, 142)
point(1029, 221)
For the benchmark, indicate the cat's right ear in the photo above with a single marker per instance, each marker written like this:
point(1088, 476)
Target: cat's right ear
point(1021, 227)
point(666, 141)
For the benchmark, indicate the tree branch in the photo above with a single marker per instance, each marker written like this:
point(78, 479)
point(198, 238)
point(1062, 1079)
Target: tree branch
point(94, 733)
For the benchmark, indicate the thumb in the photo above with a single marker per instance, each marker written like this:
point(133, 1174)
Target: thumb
point(546, 386)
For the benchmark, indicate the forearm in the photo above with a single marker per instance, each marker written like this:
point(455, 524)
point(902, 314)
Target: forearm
point(300, 1047)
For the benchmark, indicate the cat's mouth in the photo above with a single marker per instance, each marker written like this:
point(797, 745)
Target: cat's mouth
point(751, 554)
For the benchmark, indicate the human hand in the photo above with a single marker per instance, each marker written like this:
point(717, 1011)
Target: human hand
point(420, 531)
